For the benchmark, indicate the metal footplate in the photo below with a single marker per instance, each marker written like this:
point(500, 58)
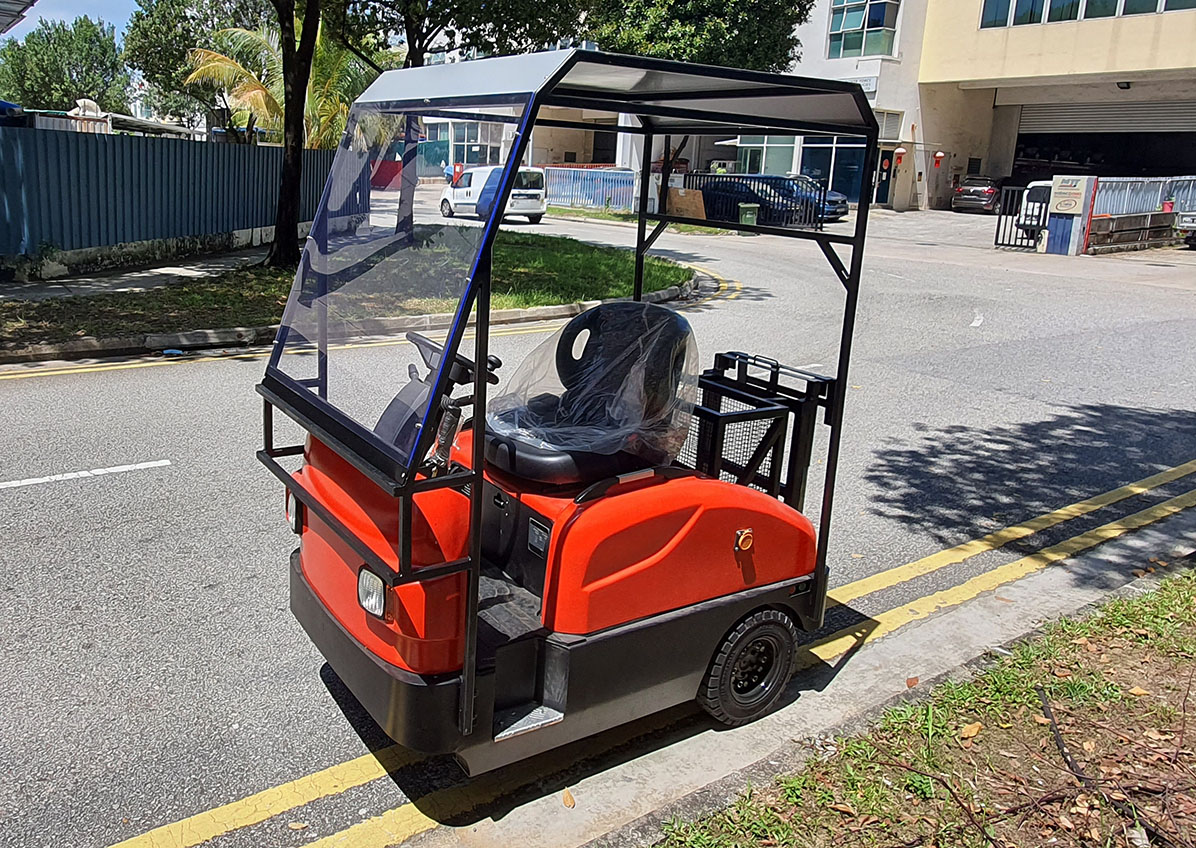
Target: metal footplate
point(523, 718)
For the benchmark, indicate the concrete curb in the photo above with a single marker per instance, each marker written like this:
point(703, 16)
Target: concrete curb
point(793, 755)
point(246, 336)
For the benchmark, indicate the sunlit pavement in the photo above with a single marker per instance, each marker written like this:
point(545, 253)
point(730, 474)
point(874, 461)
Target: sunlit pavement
point(153, 675)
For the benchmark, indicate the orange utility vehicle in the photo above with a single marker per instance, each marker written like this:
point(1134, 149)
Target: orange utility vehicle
point(494, 572)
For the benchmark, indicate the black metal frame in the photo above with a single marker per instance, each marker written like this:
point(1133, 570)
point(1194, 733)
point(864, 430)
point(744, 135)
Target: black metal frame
point(359, 447)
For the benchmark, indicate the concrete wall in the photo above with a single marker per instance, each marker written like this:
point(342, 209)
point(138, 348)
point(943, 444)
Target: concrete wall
point(1002, 145)
point(955, 49)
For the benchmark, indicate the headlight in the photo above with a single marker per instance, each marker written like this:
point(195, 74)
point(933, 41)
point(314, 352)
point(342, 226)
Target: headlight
point(371, 592)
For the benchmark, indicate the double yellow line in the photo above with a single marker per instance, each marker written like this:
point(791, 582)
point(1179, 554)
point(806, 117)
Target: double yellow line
point(408, 820)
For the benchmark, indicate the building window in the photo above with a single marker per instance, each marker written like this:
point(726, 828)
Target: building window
point(1063, 10)
point(835, 162)
point(994, 14)
point(1027, 12)
point(1100, 9)
point(866, 28)
point(765, 154)
point(476, 143)
point(890, 124)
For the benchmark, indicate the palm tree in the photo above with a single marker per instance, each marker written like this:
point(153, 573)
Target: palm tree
point(248, 68)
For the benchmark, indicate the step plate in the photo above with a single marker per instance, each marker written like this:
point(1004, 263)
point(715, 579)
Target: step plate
point(523, 718)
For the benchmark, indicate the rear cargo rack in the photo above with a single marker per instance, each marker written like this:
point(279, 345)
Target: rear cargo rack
point(754, 424)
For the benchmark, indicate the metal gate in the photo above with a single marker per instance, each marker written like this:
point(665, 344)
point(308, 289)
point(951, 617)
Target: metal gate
point(1020, 221)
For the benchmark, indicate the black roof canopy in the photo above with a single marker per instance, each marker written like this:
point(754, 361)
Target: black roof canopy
point(666, 96)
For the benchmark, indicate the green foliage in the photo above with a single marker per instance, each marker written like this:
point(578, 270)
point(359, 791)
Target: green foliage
point(755, 34)
point(246, 67)
point(160, 35)
point(59, 63)
point(487, 26)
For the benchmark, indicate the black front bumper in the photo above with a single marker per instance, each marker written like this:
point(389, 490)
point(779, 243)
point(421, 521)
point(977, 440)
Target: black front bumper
point(419, 712)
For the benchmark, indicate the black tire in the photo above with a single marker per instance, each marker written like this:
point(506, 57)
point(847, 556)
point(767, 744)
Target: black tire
point(535, 219)
point(750, 669)
point(446, 209)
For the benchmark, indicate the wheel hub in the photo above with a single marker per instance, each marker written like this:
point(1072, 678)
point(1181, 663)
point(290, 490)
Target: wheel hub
point(750, 676)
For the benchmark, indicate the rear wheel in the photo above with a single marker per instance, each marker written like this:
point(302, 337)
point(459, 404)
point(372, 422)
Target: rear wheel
point(535, 219)
point(751, 668)
point(446, 209)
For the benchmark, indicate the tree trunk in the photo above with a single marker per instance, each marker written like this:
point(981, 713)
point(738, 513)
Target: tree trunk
point(296, 70)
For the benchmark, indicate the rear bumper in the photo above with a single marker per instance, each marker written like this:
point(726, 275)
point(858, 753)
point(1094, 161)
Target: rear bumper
point(987, 204)
point(419, 712)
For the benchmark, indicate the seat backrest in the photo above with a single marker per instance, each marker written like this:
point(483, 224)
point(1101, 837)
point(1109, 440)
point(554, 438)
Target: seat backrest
point(614, 348)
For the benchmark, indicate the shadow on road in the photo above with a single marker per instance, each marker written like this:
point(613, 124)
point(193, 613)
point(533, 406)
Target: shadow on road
point(955, 482)
point(440, 790)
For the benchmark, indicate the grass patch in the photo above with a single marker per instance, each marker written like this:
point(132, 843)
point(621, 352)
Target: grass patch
point(529, 270)
point(976, 763)
point(627, 217)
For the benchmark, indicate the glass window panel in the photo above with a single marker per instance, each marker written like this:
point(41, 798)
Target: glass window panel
point(751, 139)
point(853, 43)
point(994, 14)
point(816, 163)
point(836, 20)
point(1063, 10)
point(838, 2)
point(854, 18)
point(778, 160)
point(817, 140)
point(373, 253)
point(882, 16)
point(835, 49)
point(1174, 5)
point(782, 139)
point(849, 171)
point(459, 131)
point(1027, 12)
point(879, 42)
point(494, 154)
point(458, 152)
point(1139, 7)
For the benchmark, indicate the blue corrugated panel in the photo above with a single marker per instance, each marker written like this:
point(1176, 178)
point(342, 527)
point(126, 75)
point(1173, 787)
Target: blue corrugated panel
point(69, 190)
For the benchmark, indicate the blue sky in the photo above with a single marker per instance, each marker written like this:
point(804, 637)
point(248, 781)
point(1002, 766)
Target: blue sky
point(114, 12)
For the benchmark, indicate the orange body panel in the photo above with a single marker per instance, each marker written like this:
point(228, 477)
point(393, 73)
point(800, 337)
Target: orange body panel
point(424, 627)
point(662, 547)
point(643, 549)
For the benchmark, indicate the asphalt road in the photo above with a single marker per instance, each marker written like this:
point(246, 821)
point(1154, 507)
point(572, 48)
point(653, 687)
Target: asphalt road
point(149, 668)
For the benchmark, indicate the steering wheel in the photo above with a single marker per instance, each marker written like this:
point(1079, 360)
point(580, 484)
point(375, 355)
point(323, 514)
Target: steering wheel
point(431, 353)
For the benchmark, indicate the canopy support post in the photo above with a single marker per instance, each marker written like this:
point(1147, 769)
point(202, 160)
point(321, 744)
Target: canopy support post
point(641, 245)
point(851, 282)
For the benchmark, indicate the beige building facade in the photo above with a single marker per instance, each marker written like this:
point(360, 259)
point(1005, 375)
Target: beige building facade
point(1017, 89)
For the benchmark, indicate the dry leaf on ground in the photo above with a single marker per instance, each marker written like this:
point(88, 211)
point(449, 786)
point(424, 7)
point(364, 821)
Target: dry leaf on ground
point(567, 799)
point(970, 730)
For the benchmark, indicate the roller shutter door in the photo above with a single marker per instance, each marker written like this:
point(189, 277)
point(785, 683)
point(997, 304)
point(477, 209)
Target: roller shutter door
point(1108, 117)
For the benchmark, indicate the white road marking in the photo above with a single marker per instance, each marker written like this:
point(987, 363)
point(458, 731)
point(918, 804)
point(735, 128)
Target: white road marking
point(75, 475)
point(978, 320)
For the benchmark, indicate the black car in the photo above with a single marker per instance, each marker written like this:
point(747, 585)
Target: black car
point(977, 192)
point(782, 201)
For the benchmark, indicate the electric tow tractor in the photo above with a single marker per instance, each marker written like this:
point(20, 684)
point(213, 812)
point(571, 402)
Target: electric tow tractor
point(496, 567)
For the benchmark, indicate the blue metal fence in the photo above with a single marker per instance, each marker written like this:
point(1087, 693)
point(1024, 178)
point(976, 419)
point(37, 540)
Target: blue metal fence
point(1135, 195)
point(70, 190)
point(590, 188)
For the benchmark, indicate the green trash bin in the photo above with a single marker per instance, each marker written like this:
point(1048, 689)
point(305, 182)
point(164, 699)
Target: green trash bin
point(748, 213)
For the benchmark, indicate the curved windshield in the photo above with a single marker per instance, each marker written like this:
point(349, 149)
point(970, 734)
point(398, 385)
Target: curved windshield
point(384, 258)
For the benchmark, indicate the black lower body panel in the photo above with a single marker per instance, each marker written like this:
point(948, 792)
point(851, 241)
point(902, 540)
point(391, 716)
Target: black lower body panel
point(598, 681)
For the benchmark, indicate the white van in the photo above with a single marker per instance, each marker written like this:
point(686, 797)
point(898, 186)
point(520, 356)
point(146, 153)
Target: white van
point(475, 190)
point(1032, 217)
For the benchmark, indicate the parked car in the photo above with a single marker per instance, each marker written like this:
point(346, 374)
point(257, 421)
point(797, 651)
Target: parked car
point(475, 190)
point(801, 187)
point(783, 201)
point(1032, 217)
point(1185, 223)
point(977, 192)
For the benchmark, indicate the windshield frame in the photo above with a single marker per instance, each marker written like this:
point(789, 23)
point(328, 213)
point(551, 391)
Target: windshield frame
point(384, 463)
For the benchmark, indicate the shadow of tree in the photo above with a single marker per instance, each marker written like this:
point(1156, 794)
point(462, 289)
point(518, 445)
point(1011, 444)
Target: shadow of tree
point(958, 481)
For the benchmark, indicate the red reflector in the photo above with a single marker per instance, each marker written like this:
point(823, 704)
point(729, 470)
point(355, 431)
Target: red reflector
point(990, 190)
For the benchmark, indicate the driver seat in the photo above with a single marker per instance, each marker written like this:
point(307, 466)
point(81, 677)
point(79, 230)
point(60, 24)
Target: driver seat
point(609, 405)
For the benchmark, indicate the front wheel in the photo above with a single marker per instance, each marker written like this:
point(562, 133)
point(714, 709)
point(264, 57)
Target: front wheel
point(446, 209)
point(535, 219)
point(751, 668)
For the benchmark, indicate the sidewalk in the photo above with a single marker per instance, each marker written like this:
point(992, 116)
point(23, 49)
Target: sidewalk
point(141, 279)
